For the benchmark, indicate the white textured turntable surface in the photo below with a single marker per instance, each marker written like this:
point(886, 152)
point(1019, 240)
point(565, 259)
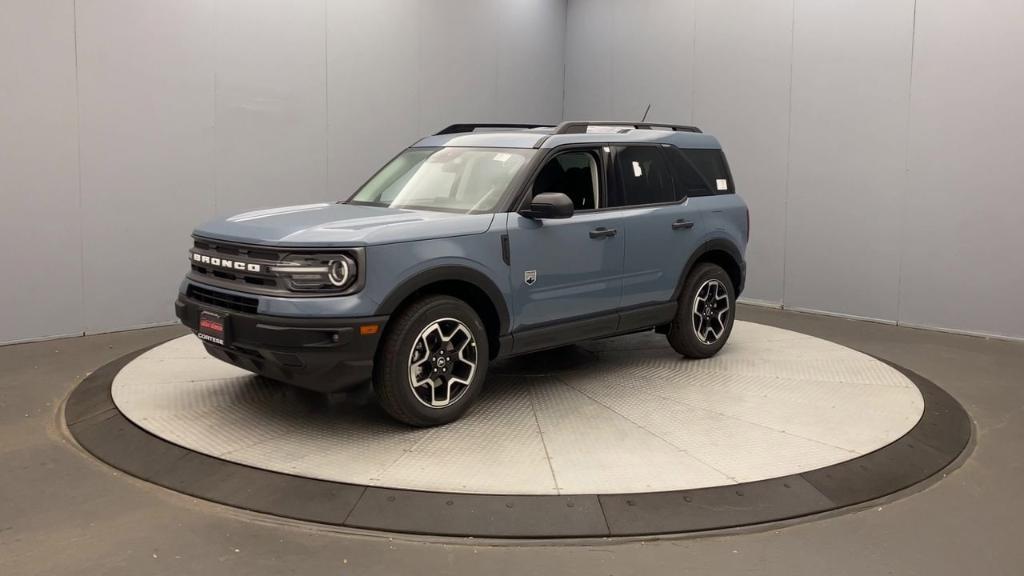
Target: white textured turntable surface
point(615, 416)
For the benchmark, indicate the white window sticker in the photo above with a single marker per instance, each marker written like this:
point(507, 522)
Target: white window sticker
point(502, 157)
point(637, 170)
point(722, 184)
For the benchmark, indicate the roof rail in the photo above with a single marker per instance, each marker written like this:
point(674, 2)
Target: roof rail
point(458, 128)
point(581, 127)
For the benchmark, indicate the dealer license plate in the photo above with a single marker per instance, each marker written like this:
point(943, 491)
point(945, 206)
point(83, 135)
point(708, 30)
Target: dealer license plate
point(213, 327)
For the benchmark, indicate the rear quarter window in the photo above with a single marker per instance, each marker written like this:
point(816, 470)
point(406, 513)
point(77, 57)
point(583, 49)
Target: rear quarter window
point(689, 182)
point(711, 165)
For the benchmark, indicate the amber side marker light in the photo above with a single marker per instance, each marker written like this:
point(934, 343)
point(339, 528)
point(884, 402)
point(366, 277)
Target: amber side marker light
point(368, 329)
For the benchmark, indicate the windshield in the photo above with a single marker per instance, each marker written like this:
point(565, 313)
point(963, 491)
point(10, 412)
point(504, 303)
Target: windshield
point(465, 180)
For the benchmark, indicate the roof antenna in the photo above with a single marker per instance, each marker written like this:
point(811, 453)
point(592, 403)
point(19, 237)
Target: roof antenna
point(645, 113)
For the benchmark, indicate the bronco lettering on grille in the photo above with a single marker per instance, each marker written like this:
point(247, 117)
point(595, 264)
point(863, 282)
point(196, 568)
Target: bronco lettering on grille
point(224, 263)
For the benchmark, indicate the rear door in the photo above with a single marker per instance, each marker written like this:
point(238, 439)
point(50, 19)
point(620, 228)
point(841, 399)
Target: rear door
point(662, 228)
point(565, 270)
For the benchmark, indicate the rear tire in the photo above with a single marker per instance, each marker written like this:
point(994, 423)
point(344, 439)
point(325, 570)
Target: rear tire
point(704, 318)
point(432, 362)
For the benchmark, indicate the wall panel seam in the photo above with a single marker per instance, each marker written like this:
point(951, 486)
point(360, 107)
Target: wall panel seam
point(906, 167)
point(789, 149)
point(565, 49)
point(80, 321)
point(327, 110)
point(693, 68)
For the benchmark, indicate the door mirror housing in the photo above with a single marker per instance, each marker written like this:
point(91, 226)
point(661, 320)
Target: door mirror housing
point(549, 205)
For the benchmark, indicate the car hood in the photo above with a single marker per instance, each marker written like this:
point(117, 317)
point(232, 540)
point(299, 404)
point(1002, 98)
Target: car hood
point(341, 225)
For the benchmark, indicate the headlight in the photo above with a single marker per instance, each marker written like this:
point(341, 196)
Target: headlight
point(328, 273)
point(338, 272)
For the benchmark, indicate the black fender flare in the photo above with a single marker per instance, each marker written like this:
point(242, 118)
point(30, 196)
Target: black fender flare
point(714, 245)
point(465, 274)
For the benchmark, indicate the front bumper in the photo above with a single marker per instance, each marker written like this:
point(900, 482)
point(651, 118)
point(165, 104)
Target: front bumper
point(321, 354)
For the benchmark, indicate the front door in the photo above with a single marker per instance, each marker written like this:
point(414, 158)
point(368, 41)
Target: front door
point(566, 274)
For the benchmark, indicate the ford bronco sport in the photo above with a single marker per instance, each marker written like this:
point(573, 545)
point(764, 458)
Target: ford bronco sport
point(479, 242)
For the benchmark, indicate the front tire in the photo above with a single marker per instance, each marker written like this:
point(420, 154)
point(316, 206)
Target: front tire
point(432, 362)
point(707, 309)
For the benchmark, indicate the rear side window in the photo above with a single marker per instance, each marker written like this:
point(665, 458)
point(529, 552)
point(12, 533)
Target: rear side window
point(711, 165)
point(690, 183)
point(643, 175)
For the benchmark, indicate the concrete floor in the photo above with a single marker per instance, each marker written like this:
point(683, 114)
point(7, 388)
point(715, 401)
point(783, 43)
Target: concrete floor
point(61, 512)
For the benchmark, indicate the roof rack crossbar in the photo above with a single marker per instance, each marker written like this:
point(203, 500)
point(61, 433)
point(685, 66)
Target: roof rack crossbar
point(459, 128)
point(581, 127)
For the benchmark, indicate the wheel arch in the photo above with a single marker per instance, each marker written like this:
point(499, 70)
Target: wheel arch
point(721, 252)
point(469, 285)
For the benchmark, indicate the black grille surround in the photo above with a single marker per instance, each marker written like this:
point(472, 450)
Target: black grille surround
point(262, 280)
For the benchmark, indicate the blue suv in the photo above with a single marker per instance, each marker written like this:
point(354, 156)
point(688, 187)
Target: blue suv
point(479, 242)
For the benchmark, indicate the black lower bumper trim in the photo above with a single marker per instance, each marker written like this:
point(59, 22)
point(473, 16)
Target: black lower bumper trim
point(322, 354)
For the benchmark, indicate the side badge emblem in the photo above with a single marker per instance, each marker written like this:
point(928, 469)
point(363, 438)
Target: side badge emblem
point(530, 277)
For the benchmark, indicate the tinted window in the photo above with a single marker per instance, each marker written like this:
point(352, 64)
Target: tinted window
point(711, 164)
point(573, 174)
point(689, 182)
point(643, 176)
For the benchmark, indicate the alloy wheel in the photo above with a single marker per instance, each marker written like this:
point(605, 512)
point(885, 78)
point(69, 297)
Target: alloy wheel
point(710, 311)
point(442, 363)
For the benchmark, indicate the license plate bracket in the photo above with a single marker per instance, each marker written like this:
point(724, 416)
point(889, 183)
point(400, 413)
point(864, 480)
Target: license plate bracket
point(213, 327)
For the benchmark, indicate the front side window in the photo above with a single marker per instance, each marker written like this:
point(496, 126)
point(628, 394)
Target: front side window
point(643, 175)
point(574, 174)
point(464, 180)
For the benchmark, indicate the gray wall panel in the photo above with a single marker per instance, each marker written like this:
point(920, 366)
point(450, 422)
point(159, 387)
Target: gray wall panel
point(271, 109)
point(622, 56)
point(876, 149)
point(851, 70)
point(531, 60)
point(372, 85)
point(652, 60)
point(588, 71)
point(39, 228)
point(741, 95)
point(187, 108)
point(458, 62)
point(146, 80)
point(963, 245)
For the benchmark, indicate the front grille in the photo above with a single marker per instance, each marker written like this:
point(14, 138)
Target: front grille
point(257, 269)
point(223, 299)
point(265, 257)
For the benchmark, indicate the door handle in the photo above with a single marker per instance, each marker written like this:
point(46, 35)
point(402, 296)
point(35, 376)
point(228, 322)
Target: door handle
point(682, 224)
point(602, 232)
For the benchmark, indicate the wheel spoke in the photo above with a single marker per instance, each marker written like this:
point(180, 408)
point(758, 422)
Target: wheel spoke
point(467, 345)
point(424, 381)
point(434, 328)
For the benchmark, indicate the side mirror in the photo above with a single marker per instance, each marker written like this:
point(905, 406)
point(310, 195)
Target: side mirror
point(549, 205)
